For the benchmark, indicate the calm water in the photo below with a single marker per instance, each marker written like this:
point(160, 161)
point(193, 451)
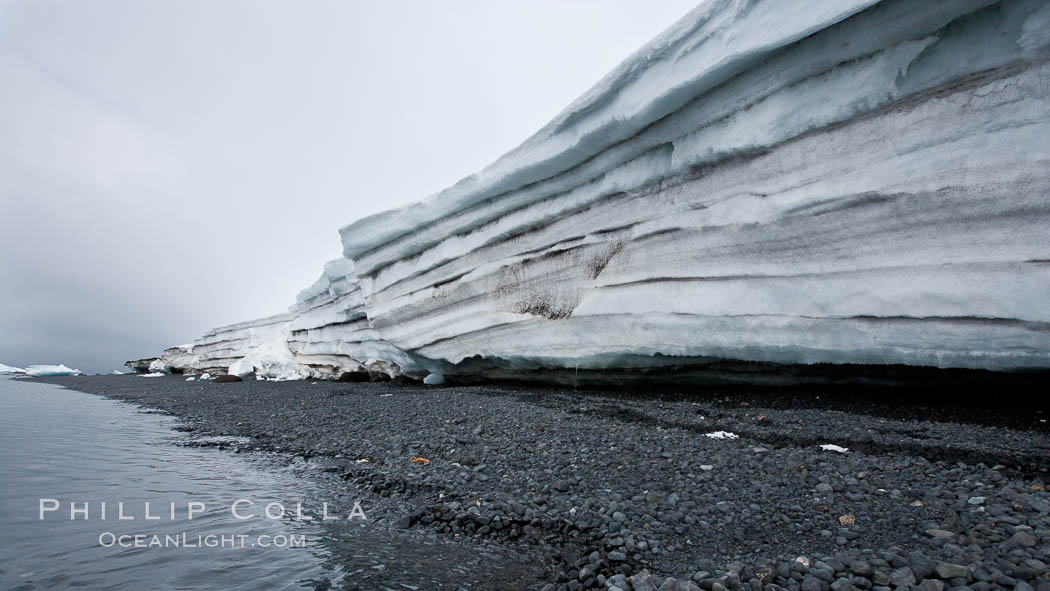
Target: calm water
point(75, 447)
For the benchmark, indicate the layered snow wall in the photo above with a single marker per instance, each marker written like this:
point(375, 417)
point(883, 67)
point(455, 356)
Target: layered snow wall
point(827, 181)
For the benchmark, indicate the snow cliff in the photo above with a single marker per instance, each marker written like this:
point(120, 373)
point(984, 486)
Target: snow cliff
point(835, 181)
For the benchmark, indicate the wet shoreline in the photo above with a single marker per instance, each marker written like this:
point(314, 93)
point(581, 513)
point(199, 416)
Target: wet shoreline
point(605, 484)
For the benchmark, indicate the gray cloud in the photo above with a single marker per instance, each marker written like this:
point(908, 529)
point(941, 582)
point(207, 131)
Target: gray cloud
point(170, 166)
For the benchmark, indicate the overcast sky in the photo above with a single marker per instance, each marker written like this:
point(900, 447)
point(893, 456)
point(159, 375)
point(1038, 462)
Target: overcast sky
point(167, 167)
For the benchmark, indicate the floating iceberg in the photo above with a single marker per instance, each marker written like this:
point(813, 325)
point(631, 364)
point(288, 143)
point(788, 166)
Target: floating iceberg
point(10, 369)
point(39, 371)
point(827, 182)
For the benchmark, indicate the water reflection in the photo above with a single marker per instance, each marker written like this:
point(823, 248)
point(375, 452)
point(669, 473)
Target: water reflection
point(78, 448)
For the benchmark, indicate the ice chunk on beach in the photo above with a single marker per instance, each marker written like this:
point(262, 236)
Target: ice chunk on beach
point(835, 448)
point(10, 369)
point(39, 371)
point(272, 360)
point(155, 374)
point(722, 435)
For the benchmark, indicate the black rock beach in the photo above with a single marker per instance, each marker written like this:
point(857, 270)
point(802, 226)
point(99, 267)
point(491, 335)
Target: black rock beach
point(671, 490)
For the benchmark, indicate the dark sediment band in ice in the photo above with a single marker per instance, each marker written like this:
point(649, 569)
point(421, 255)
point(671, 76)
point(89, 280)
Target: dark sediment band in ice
point(848, 183)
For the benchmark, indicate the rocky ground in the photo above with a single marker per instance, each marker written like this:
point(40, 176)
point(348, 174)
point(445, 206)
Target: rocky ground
point(634, 491)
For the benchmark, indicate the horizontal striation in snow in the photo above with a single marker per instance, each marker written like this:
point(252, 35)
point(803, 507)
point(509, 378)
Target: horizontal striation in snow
point(786, 182)
point(710, 45)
